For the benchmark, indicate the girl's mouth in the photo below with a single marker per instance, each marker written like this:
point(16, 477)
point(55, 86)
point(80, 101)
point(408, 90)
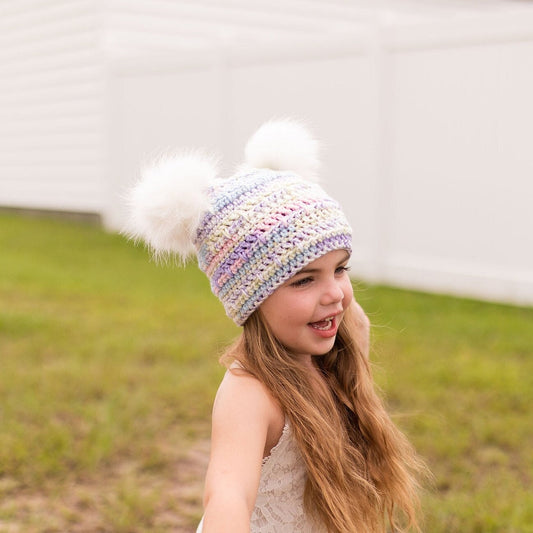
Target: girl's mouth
point(324, 325)
point(326, 328)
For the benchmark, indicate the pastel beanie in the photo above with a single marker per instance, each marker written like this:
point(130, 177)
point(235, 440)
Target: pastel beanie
point(251, 232)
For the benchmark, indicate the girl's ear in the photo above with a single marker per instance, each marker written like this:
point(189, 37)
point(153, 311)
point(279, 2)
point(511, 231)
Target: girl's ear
point(166, 205)
point(284, 145)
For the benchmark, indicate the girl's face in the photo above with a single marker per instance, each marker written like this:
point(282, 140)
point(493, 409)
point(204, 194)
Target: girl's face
point(305, 312)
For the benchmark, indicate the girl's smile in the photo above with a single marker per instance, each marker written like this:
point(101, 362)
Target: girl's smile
point(304, 314)
point(326, 328)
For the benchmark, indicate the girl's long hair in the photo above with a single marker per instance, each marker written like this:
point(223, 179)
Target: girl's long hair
point(362, 471)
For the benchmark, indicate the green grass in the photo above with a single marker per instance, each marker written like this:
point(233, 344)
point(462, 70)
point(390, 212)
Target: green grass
point(108, 368)
point(461, 372)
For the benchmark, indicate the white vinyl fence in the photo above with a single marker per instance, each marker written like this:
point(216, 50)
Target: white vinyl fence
point(424, 109)
point(427, 139)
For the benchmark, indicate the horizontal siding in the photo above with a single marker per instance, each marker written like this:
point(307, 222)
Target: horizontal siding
point(55, 124)
point(33, 94)
point(222, 15)
point(32, 82)
point(52, 95)
point(79, 107)
point(173, 25)
point(53, 57)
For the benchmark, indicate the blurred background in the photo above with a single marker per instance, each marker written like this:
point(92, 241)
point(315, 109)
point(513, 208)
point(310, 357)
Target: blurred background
point(423, 108)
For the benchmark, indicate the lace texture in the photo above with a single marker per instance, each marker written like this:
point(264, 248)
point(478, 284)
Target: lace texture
point(279, 505)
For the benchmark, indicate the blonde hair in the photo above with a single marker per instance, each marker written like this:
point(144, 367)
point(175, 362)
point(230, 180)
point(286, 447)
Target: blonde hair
point(362, 471)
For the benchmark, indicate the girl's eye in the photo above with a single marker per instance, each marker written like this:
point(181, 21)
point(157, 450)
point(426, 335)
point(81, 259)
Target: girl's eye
point(342, 269)
point(301, 282)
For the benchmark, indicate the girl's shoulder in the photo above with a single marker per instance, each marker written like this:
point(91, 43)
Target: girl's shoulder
point(243, 400)
point(242, 392)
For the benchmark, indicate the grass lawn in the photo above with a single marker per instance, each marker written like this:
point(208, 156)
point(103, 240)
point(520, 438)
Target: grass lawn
point(108, 368)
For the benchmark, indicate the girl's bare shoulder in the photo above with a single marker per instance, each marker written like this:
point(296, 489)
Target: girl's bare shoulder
point(244, 396)
point(244, 403)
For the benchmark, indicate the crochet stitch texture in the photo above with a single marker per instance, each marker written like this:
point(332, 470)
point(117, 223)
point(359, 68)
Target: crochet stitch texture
point(262, 228)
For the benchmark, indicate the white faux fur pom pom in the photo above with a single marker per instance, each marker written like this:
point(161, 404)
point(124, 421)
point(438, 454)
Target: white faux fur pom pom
point(166, 205)
point(284, 145)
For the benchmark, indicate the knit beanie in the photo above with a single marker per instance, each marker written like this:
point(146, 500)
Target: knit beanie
point(250, 232)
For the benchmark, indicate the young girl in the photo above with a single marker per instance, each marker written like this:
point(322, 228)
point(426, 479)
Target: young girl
point(300, 439)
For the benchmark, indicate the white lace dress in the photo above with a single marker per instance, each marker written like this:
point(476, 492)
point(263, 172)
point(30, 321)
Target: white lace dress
point(279, 504)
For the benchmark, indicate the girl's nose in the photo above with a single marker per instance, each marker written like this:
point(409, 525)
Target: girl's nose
point(332, 293)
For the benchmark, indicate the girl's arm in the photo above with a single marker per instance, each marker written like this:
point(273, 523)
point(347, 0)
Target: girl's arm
point(243, 414)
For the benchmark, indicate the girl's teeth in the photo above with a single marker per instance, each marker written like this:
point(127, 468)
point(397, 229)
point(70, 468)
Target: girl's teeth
point(323, 324)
